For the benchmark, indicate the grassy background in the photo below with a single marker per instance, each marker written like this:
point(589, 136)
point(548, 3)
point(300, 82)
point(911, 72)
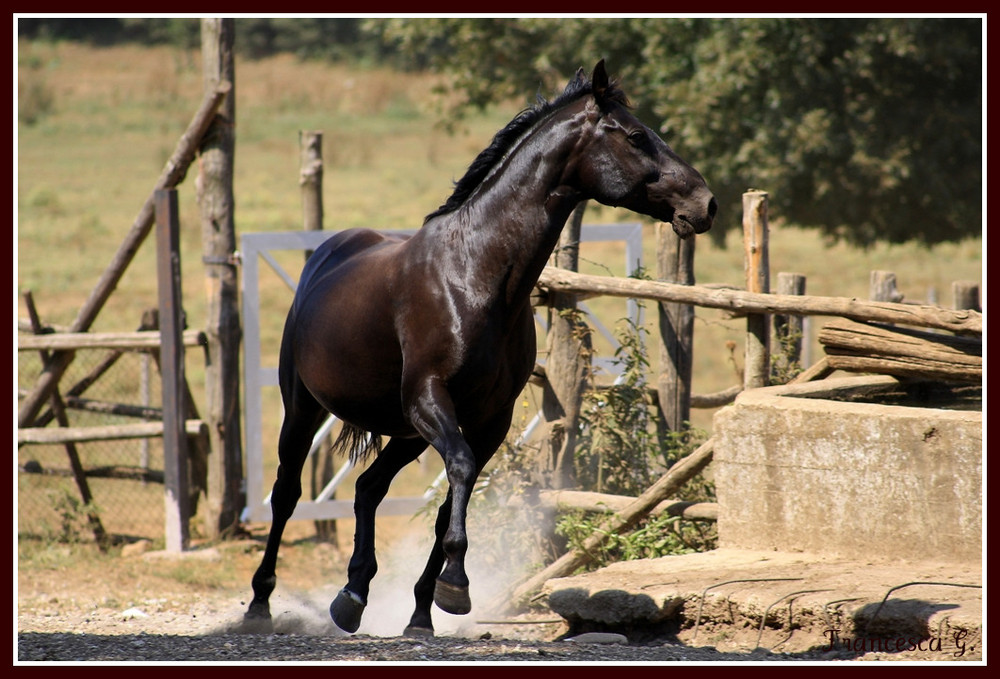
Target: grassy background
point(97, 124)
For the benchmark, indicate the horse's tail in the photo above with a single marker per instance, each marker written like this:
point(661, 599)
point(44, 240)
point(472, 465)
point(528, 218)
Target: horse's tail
point(359, 443)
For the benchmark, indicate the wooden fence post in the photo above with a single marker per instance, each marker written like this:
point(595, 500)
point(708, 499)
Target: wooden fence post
point(757, 369)
point(567, 369)
point(675, 264)
point(175, 475)
point(882, 287)
point(966, 295)
point(222, 373)
point(311, 181)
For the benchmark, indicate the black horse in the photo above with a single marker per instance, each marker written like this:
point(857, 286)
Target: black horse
point(429, 340)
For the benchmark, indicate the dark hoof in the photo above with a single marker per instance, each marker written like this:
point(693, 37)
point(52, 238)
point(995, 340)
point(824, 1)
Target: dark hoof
point(254, 623)
point(257, 619)
point(452, 599)
point(346, 611)
point(419, 632)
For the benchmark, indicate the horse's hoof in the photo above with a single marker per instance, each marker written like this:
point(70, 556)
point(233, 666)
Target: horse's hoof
point(451, 598)
point(346, 611)
point(419, 632)
point(256, 624)
point(257, 619)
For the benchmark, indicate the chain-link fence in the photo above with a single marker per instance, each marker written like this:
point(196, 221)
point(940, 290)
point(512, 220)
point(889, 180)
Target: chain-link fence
point(124, 477)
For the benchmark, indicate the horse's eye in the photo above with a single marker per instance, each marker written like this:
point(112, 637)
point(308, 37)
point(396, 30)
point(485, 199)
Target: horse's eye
point(636, 138)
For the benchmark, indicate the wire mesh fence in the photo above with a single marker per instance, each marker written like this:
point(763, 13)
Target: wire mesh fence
point(124, 477)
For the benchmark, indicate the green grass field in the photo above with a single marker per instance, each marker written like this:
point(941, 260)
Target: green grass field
point(97, 124)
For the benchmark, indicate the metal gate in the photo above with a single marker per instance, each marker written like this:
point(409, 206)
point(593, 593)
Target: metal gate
point(257, 247)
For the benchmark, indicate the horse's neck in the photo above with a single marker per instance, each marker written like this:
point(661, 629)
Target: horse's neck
point(508, 229)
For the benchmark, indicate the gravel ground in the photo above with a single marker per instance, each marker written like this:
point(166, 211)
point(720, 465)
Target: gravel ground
point(303, 648)
point(88, 615)
point(199, 629)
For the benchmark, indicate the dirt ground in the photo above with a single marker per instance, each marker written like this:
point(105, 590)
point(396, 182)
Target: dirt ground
point(147, 606)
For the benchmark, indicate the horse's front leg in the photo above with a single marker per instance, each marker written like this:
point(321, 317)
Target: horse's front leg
point(432, 414)
point(444, 580)
point(371, 488)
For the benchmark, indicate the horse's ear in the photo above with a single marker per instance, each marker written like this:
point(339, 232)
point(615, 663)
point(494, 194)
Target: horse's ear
point(580, 77)
point(600, 79)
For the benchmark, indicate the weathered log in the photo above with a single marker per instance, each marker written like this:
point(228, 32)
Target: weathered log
point(966, 295)
point(110, 408)
point(107, 433)
point(111, 472)
point(789, 331)
point(716, 399)
point(603, 502)
point(867, 347)
point(134, 341)
point(961, 322)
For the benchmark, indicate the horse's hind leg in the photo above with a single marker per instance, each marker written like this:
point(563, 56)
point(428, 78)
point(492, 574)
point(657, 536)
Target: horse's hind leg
point(303, 416)
point(372, 486)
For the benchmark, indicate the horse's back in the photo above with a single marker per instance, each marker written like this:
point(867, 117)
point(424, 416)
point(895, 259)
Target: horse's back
point(345, 249)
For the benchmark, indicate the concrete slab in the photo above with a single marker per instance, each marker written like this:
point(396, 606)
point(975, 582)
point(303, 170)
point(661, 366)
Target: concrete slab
point(808, 601)
point(855, 478)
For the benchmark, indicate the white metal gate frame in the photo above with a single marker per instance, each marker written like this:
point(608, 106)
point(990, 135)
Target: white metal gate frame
point(259, 246)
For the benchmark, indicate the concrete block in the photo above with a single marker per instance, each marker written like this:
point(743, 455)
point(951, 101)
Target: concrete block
point(855, 479)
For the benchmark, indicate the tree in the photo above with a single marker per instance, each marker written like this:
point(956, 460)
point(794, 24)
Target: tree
point(868, 129)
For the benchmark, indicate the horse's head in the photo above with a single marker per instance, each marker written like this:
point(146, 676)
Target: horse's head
point(624, 163)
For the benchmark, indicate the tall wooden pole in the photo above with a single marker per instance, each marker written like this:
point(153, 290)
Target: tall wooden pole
point(675, 264)
point(567, 369)
point(311, 181)
point(756, 371)
point(215, 200)
point(175, 468)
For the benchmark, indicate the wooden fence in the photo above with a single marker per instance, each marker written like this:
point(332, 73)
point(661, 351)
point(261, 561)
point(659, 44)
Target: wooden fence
point(209, 136)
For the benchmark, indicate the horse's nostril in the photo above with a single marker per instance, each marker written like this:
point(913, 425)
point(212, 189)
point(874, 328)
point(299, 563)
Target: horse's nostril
point(713, 206)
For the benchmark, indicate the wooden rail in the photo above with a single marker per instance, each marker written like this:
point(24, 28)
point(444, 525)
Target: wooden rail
point(961, 322)
point(142, 430)
point(136, 341)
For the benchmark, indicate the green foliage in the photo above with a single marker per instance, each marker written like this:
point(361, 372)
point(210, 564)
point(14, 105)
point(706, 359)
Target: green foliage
point(618, 424)
point(659, 535)
point(868, 129)
point(784, 366)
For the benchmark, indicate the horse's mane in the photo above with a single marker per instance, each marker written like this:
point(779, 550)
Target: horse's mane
point(522, 122)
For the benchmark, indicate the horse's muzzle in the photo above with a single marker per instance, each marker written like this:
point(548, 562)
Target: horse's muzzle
point(686, 226)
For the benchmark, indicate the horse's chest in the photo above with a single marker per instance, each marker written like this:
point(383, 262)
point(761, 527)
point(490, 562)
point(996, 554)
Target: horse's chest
point(497, 360)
